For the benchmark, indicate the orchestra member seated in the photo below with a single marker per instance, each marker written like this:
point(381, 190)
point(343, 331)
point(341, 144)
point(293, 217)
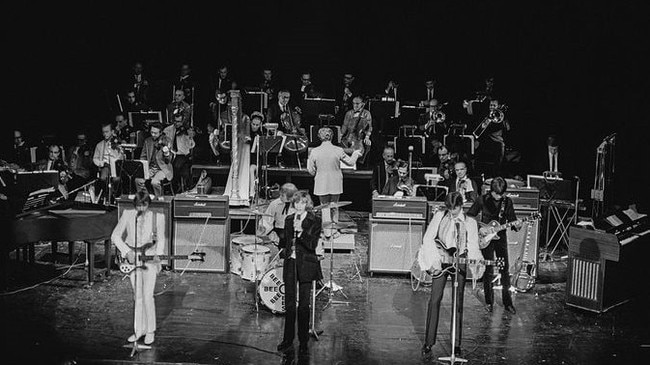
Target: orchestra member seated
point(382, 171)
point(80, 158)
point(185, 82)
point(346, 92)
point(400, 184)
point(107, 150)
point(357, 129)
point(467, 187)
point(432, 123)
point(223, 81)
point(268, 85)
point(20, 153)
point(179, 105)
point(273, 225)
point(446, 165)
point(54, 160)
point(287, 117)
point(123, 130)
point(138, 82)
point(308, 89)
point(430, 91)
point(390, 92)
point(181, 138)
point(133, 105)
point(156, 150)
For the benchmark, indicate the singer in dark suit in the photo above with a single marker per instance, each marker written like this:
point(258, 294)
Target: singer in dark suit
point(301, 267)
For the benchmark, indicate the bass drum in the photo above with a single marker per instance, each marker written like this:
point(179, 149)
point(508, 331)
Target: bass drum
point(271, 290)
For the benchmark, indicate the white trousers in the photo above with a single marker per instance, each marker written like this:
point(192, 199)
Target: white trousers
point(143, 283)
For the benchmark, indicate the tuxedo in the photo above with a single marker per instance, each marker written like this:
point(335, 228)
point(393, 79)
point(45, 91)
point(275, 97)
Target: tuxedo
point(379, 177)
point(470, 196)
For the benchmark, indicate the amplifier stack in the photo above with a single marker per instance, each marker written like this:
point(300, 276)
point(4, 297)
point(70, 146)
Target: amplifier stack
point(202, 223)
point(396, 229)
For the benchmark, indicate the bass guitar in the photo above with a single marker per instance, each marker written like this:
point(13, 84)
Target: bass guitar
point(490, 231)
point(140, 258)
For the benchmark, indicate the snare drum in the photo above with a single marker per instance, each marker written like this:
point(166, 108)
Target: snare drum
point(254, 261)
point(271, 290)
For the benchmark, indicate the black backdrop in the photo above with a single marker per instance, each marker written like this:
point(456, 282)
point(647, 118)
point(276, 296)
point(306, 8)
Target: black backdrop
point(578, 69)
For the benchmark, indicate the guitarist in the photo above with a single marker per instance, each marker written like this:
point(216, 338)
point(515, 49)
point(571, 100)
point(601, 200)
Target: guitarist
point(149, 230)
point(494, 205)
point(450, 232)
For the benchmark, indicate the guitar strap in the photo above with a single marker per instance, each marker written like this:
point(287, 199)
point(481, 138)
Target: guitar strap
point(154, 228)
point(502, 209)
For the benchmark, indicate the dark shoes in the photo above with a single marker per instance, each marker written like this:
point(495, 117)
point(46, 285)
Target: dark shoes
point(489, 308)
point(285, 346)
point(426, 350)
point(511, 308)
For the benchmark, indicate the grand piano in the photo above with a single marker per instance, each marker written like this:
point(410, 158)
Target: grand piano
point(607, 262)
point(65, 221)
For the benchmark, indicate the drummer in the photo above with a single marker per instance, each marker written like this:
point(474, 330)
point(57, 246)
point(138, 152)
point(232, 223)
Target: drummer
point(272, 224)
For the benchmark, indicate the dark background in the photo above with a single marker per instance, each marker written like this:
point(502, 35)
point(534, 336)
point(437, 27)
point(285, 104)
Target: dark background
point(578, 69)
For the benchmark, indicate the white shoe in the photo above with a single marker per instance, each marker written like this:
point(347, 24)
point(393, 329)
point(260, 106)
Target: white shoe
point(132, 338)
point(148, 338)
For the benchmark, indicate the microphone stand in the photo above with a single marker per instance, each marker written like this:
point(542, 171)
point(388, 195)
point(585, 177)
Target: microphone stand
point(452, 358)
point(410, 162)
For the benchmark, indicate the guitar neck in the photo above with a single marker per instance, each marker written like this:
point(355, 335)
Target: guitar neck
point(165, 257)
point(463, 260)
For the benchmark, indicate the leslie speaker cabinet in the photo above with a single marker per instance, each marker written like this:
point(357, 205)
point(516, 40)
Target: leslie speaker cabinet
point(162, 205)
point(202, 224)
point(396, 229)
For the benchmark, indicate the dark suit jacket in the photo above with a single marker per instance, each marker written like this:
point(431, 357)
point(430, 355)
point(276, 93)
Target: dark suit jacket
point(273, 115)
point(307, 263)
point(378, 179)
point(470, 195)
point(149, 152)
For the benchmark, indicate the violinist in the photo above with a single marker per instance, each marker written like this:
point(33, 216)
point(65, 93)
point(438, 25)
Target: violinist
point(156, 150)
point(401, 184)
point(122, 128)
point(179, 105)
point(357, 128)
point(107, 150)
point(182, 142)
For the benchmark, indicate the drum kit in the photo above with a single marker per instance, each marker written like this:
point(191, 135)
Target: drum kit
point(250, 259)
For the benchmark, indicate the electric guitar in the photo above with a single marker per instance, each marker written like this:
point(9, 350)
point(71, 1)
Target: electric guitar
point(140, 258)
point(463, 260)
point(490, 231)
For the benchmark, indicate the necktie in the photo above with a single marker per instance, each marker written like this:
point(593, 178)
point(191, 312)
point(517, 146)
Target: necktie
point(285, 210)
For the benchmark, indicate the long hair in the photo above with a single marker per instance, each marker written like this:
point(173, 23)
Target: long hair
point(453, 200)
point(498, 185)
point(302, 195)
point(141, 198)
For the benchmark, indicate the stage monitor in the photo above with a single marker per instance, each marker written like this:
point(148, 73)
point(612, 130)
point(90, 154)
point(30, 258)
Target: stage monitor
point(552, 188)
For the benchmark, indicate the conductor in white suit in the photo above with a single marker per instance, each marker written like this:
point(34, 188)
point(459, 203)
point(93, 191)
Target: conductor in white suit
point(324, 164)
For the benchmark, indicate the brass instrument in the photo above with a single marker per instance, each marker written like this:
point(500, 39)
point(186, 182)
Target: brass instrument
point(495, 116)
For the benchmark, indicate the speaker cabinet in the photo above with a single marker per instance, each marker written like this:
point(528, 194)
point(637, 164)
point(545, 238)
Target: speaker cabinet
point(210, 236)
point(164, 207)
point(394, 244)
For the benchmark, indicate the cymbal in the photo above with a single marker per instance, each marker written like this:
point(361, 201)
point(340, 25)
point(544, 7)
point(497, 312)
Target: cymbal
point(335, 225)
point(332, 205)
point(255, 212)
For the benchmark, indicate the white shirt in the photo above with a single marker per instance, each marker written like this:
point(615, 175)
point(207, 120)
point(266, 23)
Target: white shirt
point(466, 188)
point(297, 220)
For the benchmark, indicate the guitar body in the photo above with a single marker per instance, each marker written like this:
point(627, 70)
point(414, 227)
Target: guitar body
point(491, 233)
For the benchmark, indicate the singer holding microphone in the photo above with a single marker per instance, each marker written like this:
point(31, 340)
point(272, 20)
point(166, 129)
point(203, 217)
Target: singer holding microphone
point(301, 267)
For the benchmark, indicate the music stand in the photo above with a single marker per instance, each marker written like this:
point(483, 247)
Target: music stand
point(143, 119)
point(313, 108)
point(410, 115)
point(561, 201)
point(402, 145)
point(382, 111)
point(132, 169)
point(268, 144)
point(433, 193)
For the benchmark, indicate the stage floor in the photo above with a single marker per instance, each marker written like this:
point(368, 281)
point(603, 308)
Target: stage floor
point(210, 318)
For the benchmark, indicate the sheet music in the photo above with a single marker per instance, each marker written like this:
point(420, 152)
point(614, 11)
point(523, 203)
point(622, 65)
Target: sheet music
point(614, 220)
point(633, 214)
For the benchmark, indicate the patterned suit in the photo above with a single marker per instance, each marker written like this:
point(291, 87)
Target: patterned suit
point(160, 167)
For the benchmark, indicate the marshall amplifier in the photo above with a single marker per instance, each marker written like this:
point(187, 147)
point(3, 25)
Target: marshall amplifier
point(201, 206)
point(202, 224)
point(523, 198)
point(390, 207)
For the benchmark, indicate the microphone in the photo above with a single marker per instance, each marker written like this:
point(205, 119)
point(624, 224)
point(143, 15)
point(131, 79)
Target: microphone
point(410, 148)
